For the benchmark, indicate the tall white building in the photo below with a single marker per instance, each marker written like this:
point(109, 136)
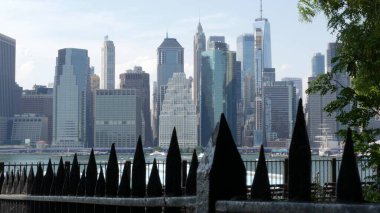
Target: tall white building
point(70, 98)
point(263, 59)
point(107, 76)
point(178, 110)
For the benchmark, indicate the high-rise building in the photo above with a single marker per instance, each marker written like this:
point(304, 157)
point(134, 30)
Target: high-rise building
point(108, 65)
point(297, 82)
point(7, 75)
point(269, 76)
point(10, 92)
point(245, 54)
point(170, 60)
point(263, 59)
point(317, 65)
point(212, 39)
point(137, 79)
point(318, 118)
point(39, 101)
point(70, 98)
point(232, 93)
point(28, 129)
point(280, 105)
point(199, 47)
point(220, 89)
point(117, 116)
point(178, 110)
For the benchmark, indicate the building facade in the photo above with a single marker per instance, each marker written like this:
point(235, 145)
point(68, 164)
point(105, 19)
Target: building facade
point(117, 118)
point(317, 65)
point(263, 59)
point(280, 109)
point(108, 65)
point(178, 110)
point(297, 82)
point(39, 101)
point(28, 129)
point(70, 98)
point(199, 46)
point(170, 56)
point(245, 54)
point(138, 79)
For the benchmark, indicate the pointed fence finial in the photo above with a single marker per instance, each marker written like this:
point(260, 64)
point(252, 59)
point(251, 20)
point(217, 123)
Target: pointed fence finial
point(37, 181)
point(47, 180)
point(191, 182)
point(29, 182)
point(231, 168)
point(74, 176)
point(125, 182)
point(112, 174)
point(100, 187)
point(299, 160)
point(138, 171)
point(173, 168)
point(91, 175)
point(348, 188)
point(82, 184)
point(260, 189)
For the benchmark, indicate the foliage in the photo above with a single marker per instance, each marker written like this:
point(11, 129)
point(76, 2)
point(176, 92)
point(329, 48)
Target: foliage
point(357, 27)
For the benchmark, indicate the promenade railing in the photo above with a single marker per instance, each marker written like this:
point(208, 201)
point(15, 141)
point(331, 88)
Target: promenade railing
point(221, 182)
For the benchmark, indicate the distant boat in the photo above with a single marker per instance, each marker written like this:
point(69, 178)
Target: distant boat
point(279, 153)
point(200, 155)
point(157, 153)
point(329, 145)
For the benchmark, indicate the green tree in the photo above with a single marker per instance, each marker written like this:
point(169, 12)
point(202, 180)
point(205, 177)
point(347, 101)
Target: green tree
point(356, 23)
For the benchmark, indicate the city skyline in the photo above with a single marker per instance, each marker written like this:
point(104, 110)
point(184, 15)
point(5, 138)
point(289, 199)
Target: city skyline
point(293, 42)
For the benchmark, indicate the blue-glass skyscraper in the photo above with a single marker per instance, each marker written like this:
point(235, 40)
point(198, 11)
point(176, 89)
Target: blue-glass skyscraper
point(170, 60)
point(245, 54)
point(70, 98)
point(220, 89)
point(317, 65)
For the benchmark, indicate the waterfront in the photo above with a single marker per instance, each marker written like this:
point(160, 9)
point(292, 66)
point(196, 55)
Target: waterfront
point(322, 167)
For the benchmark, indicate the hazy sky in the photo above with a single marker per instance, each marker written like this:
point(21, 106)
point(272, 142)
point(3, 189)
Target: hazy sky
point(138, 28)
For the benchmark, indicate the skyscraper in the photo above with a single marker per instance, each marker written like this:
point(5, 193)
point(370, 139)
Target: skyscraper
point(70, 98)
point(280, 103)
point(199, 47)
point(7, 82)
point(317, 65)
point(245, 54)
point(7, 74)
point(178, 110)
point(297, 82)
point(108, 65)
point(212, 39)
point(220, 89)
point(263, 59)
point(170, 60)
point(317, 117)
point(139, 80)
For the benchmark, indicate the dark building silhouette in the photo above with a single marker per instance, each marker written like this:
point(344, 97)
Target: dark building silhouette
point(139, 80)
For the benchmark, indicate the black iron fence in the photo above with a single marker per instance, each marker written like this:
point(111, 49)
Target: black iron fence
point(182, 186)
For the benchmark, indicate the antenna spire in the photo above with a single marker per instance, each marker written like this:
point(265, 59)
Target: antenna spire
point(261, 9)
